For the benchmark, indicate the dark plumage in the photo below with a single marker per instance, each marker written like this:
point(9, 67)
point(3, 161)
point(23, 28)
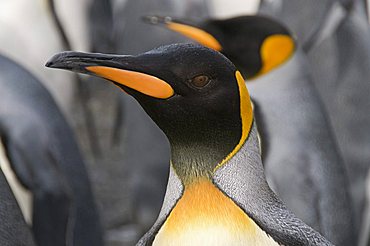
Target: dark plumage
point(13, 228)
point(45, 158)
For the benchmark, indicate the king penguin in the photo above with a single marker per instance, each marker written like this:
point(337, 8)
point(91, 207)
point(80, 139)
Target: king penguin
point(217, 193)
point(340, 60)
point(339, 55)
point(301, 159)
point(45, 160)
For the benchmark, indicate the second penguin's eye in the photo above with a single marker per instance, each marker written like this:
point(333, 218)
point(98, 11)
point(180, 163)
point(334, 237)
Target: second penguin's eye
point(200, 81)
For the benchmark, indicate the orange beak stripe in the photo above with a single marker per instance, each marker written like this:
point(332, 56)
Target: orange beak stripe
point(144, 83)
point(196, 34)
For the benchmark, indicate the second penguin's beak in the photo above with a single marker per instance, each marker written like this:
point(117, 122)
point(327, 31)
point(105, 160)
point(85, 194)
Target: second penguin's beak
point(188, 30)
point(124, 71)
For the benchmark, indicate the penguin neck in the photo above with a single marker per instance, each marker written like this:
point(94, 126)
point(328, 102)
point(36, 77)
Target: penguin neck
point(242, 177)
point(195, 157)
point(207, 211)
point(246, 163)
point(243, 169)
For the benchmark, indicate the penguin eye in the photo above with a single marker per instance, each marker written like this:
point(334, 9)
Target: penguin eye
point(199, 81)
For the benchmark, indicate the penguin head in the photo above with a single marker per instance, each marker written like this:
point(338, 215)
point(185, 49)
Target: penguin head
point(255, 44)
point(194, 94)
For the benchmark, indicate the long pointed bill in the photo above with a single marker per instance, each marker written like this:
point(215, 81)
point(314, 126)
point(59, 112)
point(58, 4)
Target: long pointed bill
point(111, 67)
point(187, 30)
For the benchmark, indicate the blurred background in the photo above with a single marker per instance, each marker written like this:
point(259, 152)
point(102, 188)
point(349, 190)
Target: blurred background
point(123, 153)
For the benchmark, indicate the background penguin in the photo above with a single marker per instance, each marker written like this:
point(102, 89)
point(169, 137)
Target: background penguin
point(339, 55)
point(301, 161)
point(342, 60)
point(13, 228)
point(199, 99)
point(44, 156)
point(307, 24)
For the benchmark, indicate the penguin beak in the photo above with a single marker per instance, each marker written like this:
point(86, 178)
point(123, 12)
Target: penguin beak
point(121, 70)
point(189, 30)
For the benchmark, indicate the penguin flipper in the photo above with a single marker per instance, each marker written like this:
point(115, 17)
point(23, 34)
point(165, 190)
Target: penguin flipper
point(13, 228)
point(35, 165)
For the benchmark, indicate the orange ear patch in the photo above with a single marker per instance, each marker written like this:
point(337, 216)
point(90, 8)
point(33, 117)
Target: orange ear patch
point(275, 50)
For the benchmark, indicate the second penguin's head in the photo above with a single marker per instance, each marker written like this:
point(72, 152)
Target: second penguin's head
point(255, 44)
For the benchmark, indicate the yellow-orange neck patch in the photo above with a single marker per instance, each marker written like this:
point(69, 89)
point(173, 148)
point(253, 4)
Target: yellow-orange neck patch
point(275, 50)
point(205, 216)
point(197, 34)
point(246, 115)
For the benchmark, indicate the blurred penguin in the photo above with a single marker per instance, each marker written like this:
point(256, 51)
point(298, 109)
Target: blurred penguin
point(46, 161)
point(339, 55)
point(342, 60)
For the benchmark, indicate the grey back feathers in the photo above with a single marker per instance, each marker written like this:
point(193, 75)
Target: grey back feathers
point(302, 163)
point(45, 157)
point(13, 228)
point(345, 92)
point(339, 56)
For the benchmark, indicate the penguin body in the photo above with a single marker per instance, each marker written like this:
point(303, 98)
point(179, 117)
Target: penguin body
point(244, 185)
point(13, 228)
point(302, 163)
point(340, 64)
point(301, 159)
point(209, 223)
point(199, 100)
point(45, 159)
point(338, 55)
